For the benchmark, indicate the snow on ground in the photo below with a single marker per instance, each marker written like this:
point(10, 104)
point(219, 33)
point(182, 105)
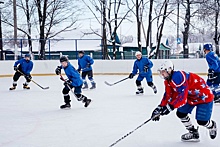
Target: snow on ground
point(32, 118)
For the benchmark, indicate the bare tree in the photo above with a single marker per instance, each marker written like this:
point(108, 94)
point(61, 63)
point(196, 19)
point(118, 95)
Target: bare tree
point(50, 15)
point(161, 22)
point(116, 21)
point(99, 6)
point(209, 11)
point(27, 7)
point(138, 13)
point(188, 5)
point(149, 29)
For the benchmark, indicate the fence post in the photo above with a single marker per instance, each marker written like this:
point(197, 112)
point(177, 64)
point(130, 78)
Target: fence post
point(76, 48)
point(49, 48)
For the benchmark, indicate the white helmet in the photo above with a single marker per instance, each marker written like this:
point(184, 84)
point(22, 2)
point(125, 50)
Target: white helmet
point(167, 66)
point(138, 53)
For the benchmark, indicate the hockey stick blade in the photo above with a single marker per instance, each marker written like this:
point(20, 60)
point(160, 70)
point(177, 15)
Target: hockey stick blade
point(45, 88)
point(108, 83)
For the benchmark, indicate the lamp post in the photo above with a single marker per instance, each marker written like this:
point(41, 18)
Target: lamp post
point(1, 44)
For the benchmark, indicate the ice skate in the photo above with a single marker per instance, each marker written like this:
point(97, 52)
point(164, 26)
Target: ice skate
point(25, 86)
point(192, 136)
point(13, 87)
point(213, 130)
point(85, 87)
point(140, 91)
point(65, 106)
point(87, 102)
point(154, 89)
point(93, 86)
point(217, 99)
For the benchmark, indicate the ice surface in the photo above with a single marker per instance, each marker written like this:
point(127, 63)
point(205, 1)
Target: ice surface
point(32, 118)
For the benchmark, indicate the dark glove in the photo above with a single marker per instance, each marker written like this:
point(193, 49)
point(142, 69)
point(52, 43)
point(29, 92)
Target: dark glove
point(79, 70)
point(131, 76)
point(211, 75)
point(67, 82)
point(156, 113)
point(146, 68)
point(28, 77)
point(58, 70)
point(15, 68)
point(166, 109)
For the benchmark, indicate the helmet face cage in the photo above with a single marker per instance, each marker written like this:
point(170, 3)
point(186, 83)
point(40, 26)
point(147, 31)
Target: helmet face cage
point(167, 67)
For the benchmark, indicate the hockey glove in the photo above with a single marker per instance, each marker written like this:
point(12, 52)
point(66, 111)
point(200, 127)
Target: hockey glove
point(211, 75)
point(67, 82)
point(166, 109)
point(146, 68)
point(58, 70)
point(131, 76)
point(15, 68)
point(79, 70)
point(156, 113)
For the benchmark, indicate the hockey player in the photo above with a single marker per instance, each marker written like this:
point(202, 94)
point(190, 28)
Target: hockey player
point(213, 71)
point(22, 67)
point(185, 91)
point(74, 81)
point(144, 66)
point(85, 64)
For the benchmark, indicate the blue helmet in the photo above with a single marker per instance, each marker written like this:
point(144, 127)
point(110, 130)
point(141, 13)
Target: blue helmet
point(27, 55)
point(208, 47)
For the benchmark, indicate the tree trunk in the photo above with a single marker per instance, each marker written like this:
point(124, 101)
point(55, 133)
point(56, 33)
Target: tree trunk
point(160, 29)
point(104, 37)
point(216, 38)
point(148, 43)
point(42, 19)
point(186, 31)
point(114, 37)
point(29, 27)
point(138, 26)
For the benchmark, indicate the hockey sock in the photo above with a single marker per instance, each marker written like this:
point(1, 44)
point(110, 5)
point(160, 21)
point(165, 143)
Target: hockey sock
point(14, 83)
point(209, 124)
point(187, 122)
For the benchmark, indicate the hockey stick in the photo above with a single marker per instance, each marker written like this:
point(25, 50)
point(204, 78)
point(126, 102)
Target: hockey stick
point(33, 81)
point(113, 144)
point(115, 82)
point(61, 77)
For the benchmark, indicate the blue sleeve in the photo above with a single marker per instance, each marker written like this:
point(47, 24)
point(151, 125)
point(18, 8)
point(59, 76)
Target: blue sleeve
point(30, 67)
point(179, 80)
point(134, 72)
point(212, 62)
point(79, 66)
point(90, 60)
point(150, 63)
point(17, 62)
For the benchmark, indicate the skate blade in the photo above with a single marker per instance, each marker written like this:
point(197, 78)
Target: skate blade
point(139, 94)
point(67, 108)
point(191, 140)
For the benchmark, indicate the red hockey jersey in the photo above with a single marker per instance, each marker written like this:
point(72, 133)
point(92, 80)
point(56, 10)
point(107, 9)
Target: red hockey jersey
point(186, 88)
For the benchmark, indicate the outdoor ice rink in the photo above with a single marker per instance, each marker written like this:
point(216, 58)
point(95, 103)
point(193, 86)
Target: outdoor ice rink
point(32, 118)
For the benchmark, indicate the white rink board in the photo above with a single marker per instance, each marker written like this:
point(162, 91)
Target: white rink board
point(108, 66)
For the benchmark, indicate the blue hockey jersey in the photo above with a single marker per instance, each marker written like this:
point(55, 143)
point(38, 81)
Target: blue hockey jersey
point(85, 62)
point(213, 61)
point(73, 75)
point(26, 66)
point(139, 65)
